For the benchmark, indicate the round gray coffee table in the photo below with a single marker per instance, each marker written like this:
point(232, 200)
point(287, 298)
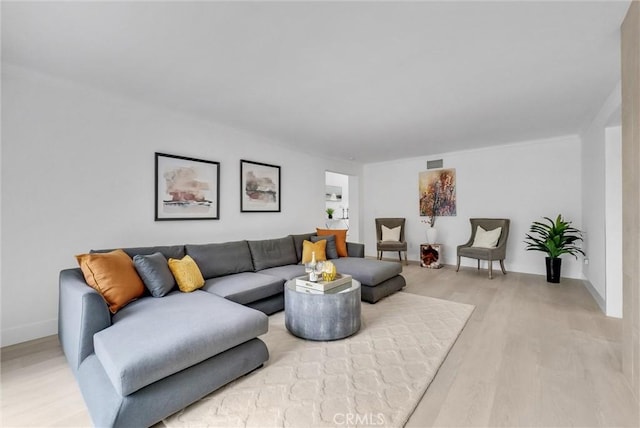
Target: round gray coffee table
point(322, 316)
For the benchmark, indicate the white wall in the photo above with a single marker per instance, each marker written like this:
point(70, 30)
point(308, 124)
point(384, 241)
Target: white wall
point(594, 207)
point(522, 182)
point(78, 173)
point(356, 198)
point(613, 221)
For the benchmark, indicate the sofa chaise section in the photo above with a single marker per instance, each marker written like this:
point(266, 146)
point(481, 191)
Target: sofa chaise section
point(377, 278)
point(151, 404)
point(150, 339)
point(122, 382)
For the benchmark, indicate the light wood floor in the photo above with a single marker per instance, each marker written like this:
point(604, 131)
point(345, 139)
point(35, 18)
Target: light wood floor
point(532, 354)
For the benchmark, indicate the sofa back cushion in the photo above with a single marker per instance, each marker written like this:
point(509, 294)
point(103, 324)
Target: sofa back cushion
point(222, 259)
point(298, 240)
point(168, 251)
point(273, 252)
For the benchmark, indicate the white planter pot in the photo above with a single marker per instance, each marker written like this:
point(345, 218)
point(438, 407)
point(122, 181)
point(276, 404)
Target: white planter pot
point(432, 235)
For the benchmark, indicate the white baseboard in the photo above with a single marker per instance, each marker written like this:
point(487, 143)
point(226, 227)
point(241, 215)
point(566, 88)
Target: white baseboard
point(24, 333)
point(596, 296)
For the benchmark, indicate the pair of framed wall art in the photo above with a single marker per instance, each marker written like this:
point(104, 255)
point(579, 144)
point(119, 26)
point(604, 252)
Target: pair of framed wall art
point(189, 189)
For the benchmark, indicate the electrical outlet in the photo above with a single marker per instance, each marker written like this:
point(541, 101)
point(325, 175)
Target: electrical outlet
point(586, 261)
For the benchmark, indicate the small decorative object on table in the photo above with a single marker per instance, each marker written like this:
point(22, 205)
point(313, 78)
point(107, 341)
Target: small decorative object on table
point(430, 255)
point(316, 275)
point(329, 273)
point(310, 268)
point(304, 283)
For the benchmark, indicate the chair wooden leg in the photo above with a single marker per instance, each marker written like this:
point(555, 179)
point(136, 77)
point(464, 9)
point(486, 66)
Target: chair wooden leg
point(502, 266)
point(406, 262)
point(400, 256)
point(490, 269)
point(379, 255)
point(458, 268)
point(478, 264)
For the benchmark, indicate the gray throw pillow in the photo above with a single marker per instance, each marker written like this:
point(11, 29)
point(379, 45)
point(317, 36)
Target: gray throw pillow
point(155, 273)
point(331, 250)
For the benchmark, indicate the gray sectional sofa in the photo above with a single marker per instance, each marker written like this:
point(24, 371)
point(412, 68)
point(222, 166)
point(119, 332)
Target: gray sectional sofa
point(156, 356)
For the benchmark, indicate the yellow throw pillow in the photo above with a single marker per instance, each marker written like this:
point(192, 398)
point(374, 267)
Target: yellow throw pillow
point(341, 239)
point(308, 248)
point(186, 273)
point(112, 275)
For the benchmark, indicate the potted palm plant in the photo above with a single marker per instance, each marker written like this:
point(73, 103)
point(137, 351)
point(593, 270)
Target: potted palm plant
point(554, 238)
point(330, 212)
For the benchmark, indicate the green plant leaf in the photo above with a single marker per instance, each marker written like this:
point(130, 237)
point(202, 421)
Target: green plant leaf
point(554, 237)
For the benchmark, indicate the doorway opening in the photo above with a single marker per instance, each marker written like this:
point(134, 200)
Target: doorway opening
point(339, 189)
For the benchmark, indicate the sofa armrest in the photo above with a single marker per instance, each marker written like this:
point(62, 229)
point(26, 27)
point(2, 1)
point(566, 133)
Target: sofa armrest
point(82, 312)
point(355, 249)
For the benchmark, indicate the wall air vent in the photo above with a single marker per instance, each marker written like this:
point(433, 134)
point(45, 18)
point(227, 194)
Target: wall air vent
point(433, 164)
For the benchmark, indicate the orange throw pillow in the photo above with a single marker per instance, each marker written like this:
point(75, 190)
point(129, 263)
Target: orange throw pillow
point(341, 239)
point(113, 276)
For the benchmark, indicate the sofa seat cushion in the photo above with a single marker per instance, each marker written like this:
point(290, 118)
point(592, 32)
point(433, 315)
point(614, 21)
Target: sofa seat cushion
point(244, 288)
point(151, 339)
point(393, 245)
point(477, 252)
point(285, 272)
point(368, 272)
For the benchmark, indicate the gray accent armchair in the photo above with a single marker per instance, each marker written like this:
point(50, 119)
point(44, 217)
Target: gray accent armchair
point(490, 254)
point(398, 246)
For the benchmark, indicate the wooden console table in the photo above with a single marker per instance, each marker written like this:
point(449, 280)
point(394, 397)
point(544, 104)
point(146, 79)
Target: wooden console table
point(431, 255)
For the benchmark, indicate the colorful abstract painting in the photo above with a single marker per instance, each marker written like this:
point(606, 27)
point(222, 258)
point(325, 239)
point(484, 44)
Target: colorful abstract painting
point(259, 187)
point(437, 192)
point(186, 188)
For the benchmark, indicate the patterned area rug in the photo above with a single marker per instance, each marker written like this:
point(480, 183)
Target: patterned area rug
point(373, 378)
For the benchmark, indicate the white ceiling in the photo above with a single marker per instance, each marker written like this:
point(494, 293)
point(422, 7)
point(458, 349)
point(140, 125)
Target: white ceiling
point(368, 81)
